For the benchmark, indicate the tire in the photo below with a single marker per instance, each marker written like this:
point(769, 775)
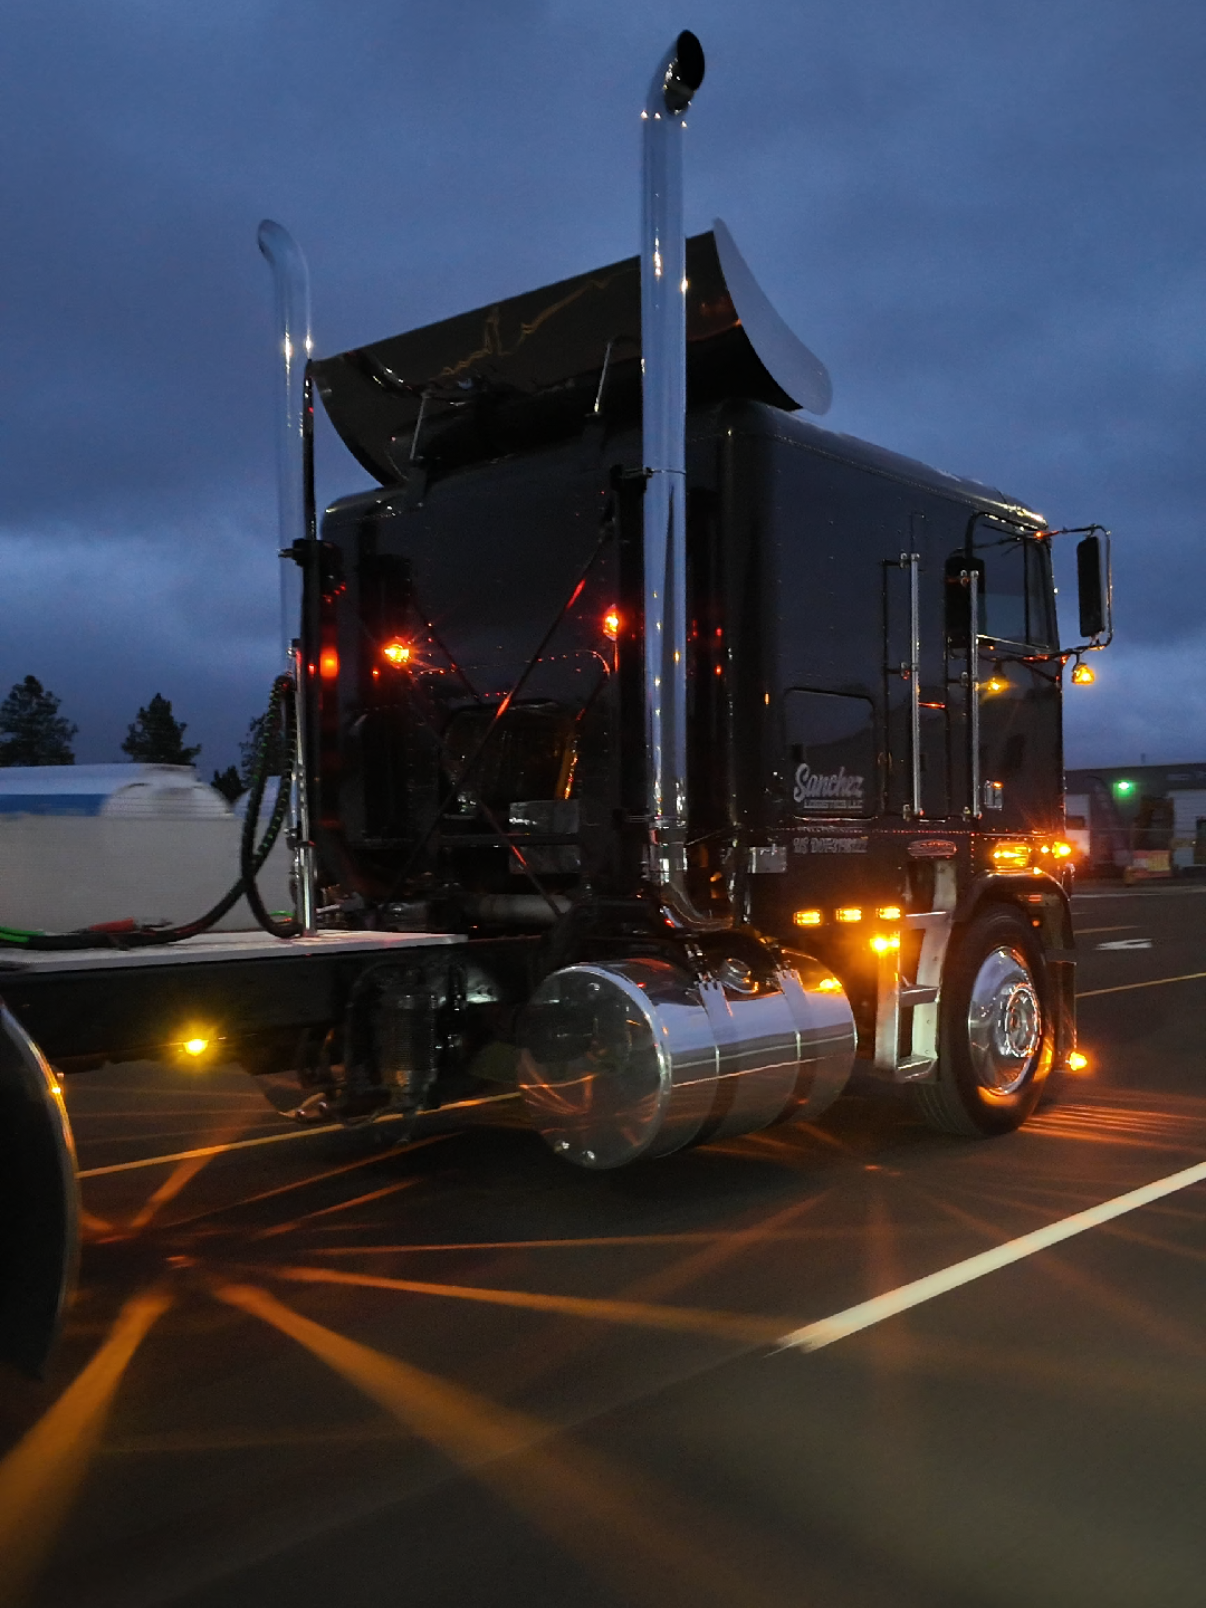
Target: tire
point(996, 1030)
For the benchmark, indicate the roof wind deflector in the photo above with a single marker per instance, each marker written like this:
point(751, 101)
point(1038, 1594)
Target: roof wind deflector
point(783, 354)
point(525, 372)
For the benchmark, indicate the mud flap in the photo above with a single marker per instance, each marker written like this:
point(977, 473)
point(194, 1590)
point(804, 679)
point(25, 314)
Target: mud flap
point(39, 1201)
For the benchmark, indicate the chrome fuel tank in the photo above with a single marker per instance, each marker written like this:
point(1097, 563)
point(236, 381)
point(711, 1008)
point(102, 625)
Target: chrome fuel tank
point(637, 1058)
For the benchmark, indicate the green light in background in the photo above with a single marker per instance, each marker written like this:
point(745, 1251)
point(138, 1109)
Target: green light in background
point(1124, 787)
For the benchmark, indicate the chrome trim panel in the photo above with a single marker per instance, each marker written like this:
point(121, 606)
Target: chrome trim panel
point(923, 994)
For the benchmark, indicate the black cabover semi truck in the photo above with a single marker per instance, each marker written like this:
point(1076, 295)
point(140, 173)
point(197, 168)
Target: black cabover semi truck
point(655, 753)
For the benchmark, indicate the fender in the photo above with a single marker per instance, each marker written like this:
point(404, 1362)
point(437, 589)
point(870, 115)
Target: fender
point(39, 1201)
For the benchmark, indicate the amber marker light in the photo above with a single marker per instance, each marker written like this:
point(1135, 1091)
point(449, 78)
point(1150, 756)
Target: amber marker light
point(611, 624)
point(1083, 675)
point(829, 985)
point(1061, 851)
point(195, 1047)
point(849, 913)
point(889, 912)
point(1011, 856)
point(398, 653)
point(885, 942)
point(1077, 1062)
point(807, 918)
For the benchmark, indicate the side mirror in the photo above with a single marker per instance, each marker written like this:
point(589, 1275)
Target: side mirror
point(1092, 587)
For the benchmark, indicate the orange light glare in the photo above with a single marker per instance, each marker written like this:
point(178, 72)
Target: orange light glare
point(885, 942)
point(1077, 1062)
point(1011, 856)
point(995, 684)
point(850, 913)
point(889, 912)
point(829, 985)
point(195, 1046)
point(807, 918)
point(611, 624)
point(1083, 675)
point(398, 653)
point(1061, 851)
point(328, 664)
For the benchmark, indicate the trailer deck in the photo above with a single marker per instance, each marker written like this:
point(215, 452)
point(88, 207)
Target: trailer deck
point(86, 1006)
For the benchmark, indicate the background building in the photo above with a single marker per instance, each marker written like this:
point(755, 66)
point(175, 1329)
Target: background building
point(1139, 820)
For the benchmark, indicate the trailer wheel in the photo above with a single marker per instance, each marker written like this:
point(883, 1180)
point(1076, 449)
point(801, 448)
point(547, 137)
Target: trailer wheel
point(39, 1201)
point(996, 1031)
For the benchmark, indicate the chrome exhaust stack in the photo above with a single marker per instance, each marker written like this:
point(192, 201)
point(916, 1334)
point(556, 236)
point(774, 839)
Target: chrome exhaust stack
point(641, 1057)
point(664, 425)
point(295, 479)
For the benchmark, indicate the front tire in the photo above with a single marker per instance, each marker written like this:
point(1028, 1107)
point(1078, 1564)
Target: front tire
point(996, 1030)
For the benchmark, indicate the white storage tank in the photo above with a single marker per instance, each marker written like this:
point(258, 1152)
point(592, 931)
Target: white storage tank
point(86, 844)
point(141, 792)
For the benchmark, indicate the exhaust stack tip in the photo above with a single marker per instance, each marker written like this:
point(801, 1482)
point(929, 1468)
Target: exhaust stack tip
point(683, 73)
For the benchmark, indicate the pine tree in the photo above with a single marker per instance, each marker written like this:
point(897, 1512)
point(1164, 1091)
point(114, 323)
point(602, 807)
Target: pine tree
point(228, 782)
point(249, 749)
point(156, 737)
point(32, 732)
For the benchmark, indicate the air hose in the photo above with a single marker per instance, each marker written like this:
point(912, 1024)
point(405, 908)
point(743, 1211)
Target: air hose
point(250, 857)
point(123, 935)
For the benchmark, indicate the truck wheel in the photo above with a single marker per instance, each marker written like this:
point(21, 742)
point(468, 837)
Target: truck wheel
point(996, 1031)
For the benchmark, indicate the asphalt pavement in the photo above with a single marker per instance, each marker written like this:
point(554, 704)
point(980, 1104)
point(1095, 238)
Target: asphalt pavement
point(328, 1369)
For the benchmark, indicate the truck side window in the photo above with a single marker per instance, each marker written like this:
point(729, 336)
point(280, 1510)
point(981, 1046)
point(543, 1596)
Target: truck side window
point(1003, 603)
point(1015, 587)
point(831, 752)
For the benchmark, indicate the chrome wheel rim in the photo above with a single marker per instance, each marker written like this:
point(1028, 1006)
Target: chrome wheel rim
point(1004, 1022)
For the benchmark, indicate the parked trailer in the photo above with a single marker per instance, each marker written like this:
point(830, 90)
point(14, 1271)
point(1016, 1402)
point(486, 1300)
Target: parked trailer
point(676, 751)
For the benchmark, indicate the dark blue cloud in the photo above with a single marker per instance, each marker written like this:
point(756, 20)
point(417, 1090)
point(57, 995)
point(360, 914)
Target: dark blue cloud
point(988, 220)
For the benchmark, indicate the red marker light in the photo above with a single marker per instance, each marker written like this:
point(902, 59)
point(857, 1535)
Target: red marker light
point(328, 664)
point(611, 624)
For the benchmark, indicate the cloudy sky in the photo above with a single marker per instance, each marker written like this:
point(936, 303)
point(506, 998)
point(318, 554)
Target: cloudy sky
point(989, 220)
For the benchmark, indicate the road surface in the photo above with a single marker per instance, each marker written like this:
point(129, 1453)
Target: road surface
point(326, 1369)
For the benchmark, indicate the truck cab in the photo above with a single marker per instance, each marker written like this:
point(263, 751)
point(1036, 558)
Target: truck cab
point(872, 672)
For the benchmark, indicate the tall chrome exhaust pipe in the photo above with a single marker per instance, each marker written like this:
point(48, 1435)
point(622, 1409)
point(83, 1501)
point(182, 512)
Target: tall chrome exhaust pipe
point(295, 478)
point(664, 411)
point(628, 1058)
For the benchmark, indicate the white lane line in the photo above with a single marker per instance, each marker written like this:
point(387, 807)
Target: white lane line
point(1152, 982)
point(813, 1336)
point(1126, 943)
point(213, 1150)
point(272, 1139)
